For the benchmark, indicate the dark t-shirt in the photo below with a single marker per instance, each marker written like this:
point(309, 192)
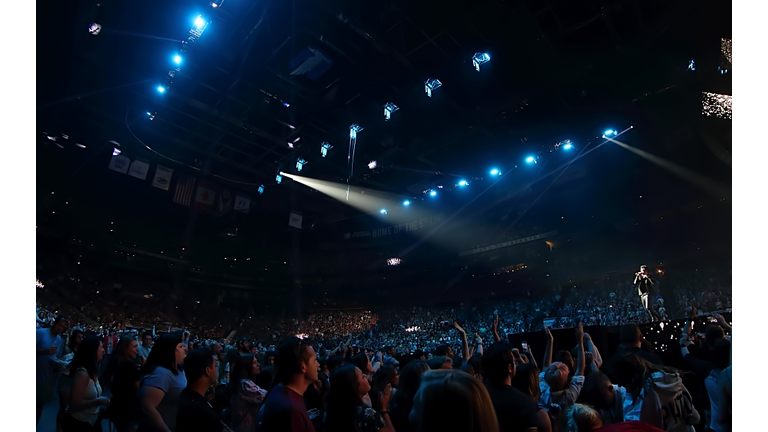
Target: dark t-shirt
point(646, 286)
point(623, 351)
point(124, 401)
point(515, 410)
point(196, 415)
point(283, 411)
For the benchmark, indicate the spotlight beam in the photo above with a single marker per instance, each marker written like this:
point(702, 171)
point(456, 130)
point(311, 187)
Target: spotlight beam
point(716, 189)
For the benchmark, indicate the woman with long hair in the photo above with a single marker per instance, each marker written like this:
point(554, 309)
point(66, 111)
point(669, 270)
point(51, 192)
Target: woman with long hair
point(452, 400)
point(402, 401)
point(83, 412)
point(161, 386)
point(346, 410)
point(244, 395)
point(65, 382)
point(386, 375)
point(122, 377)
point(526, 380)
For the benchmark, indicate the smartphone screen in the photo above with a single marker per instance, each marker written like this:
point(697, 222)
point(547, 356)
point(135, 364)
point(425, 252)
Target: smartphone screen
point(525, 345)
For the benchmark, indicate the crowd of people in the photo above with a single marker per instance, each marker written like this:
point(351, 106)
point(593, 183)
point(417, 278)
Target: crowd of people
point(178, 381)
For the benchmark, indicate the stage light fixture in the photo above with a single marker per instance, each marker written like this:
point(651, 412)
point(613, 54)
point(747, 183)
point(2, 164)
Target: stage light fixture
point(161, 89)
point(530, 159)
point(177, 59)
point(324, 147)
point(353, 130)
point(463, 183)
point(691, 65)
point(383, 211)
point(372, 165)
point(94, 29)
point(300, 162)
point(495, 172)
point(433, 193)
point(389, 108)
point(217, 3)
point(430, 85)
point(723, 68)
point(394, 262)
point(200, 22)
point(567, 146)
point(406, 203)
point(480, 58)
point(115, 151)
point(279, 178)
point(261, 190)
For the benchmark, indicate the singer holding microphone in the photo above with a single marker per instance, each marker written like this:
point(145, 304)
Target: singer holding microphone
point(645, 288)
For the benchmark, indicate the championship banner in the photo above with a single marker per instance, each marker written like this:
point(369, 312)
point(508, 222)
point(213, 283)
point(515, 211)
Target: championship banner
point(162, 178)
point(120, 164)
point(139, 170)
point(242, 204)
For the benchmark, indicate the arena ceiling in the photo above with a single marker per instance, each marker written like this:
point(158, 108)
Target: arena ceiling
point(264, 74)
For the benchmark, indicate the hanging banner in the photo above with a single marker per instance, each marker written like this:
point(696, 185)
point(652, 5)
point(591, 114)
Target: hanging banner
point(120, 164)
point(242, 204)
point(295, 220)
point(139, 170)
point(162, 178)
point(509, 243)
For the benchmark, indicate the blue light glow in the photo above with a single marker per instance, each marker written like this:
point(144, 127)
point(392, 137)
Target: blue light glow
point(161, 89)
point(609, 132)
point(480, 58)
point(261, 189)
point(495, 172)
point(324, 147)
point(463, 183)
point(177, 59)
point(431, 84)
point(530, 159)
point(433, 193)
point(279, 178)
point(567, 147)
point(199, 21)
point(300, 162)
point(406, 203)
point(383, 211)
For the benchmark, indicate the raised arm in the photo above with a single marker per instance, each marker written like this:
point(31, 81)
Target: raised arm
point(496, 337)
point(723, 323)
point(580, 358)
point(593, 349)
point(464, 343)
point(529, 354)
point(548, 349)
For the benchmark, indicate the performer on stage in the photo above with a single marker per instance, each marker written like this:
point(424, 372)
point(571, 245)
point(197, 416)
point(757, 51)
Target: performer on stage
point(645, 288)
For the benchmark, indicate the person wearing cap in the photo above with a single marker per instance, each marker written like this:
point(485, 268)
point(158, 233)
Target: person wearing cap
point(242, 346)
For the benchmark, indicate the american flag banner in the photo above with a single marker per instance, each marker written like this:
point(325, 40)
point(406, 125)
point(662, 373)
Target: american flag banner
point(185, 189)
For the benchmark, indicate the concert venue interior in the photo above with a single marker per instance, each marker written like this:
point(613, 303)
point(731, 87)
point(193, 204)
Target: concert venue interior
point(256, 168)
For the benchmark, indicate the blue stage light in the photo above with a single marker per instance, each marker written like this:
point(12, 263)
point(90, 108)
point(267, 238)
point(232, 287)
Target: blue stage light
point(278, 178)
point(261, 189)
point(431, 84)
point(463, 183)
point(406, 203)
point(200, 22)
point(389, 108)
point(609, 132)
point(177, 59)
point(495, 172)
point(530, 159)
point(480, 58)
point(433, 193)
point(300, 162)
point(353, 130)
point(691, 65)
point(161, 89)
point(324, 147)
point(383, 211)
point(567, 147)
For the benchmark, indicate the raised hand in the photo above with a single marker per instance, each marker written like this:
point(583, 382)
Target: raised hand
point(384, 397)
point(458, 327)
point(548, 333)
point(580, 332)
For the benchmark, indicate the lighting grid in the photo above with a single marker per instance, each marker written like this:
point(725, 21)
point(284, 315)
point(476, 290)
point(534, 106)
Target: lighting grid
point(354, 129)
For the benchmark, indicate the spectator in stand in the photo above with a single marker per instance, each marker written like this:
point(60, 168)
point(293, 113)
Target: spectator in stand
point(83, 412)
point(49, 346)
point(65, 381)
point(556, 387)
point(161, 386)
point(402, 401)
point(440, 362)
point(122, 378)
point(194, 412)
point(526, 380)
point(347, 411)
point(243, 346)
point(581, 418)
point(145, 347)
point(631, 339)
point(389, 357)
point(451, 400)
point(608, 398)
point(283, 408)
point(244, 395)
point(515, 410)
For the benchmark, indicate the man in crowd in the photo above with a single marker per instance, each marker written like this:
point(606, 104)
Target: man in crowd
point(631, 338)
point(144, 348)
point(515, 410)
point(194, 412)
point(49, 347)
point(242, 346)
point(297, 369)
point(389, 357)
